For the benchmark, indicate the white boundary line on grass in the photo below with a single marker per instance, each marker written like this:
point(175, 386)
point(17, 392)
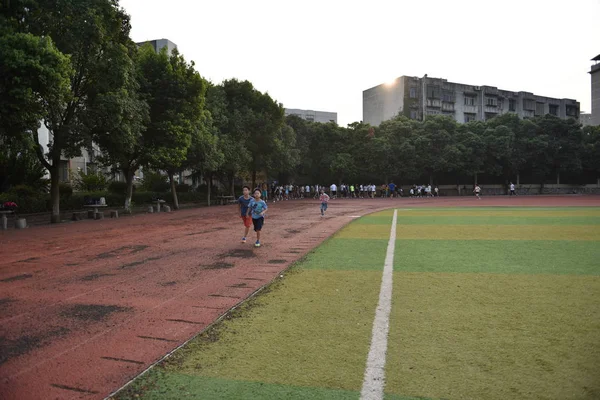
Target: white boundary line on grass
point(374, 381)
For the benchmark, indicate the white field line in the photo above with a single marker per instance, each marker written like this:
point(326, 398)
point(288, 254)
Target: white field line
point(374, 381)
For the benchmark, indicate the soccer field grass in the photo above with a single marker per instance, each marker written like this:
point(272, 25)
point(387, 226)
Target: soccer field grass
point(488, 303)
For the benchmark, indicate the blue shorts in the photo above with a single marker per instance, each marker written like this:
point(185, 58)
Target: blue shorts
point(323, 206)
point(258, 223)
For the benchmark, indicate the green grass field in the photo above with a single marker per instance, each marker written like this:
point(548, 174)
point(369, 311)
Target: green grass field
point(488, 303)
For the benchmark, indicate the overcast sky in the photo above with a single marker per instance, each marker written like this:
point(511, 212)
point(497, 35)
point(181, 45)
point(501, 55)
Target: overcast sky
point(321, 55)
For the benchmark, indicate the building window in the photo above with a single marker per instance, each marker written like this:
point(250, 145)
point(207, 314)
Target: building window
point(553, 109)
point(572, 111)
point(433, 92)
point(539, 108)
point(512, 105)
point(448, 97)
point(490, 101)
point(470, 117)
point(528, 105)
point(63, 171)
point(413, 92)
point(469, 101)
point(413, 114)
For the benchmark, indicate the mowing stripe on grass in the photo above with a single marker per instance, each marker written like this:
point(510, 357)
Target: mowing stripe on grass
point(484, 220)
point(374, 382)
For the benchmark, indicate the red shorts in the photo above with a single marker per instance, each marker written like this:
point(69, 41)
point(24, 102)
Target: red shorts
point(247, 220)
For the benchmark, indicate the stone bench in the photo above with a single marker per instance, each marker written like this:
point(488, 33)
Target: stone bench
point(78, 215)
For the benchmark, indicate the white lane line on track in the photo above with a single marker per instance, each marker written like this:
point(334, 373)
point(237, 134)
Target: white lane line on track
point(374, 380)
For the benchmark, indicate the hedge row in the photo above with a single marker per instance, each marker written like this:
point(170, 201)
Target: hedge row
point(38, 203)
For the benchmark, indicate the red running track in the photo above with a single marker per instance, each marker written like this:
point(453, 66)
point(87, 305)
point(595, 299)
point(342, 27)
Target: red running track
point(87, 306)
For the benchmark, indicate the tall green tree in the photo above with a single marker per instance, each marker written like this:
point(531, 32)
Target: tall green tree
point(63, 80)
point(591, 150)
point(436, 147)
point(205, 155)
point(121, 139)
point(175, 94)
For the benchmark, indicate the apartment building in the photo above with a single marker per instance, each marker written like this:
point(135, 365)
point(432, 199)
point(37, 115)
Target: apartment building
point(310, 115)
point(417, 97)
point(595, 75)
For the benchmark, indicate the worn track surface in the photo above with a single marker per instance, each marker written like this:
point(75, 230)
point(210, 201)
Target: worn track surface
point(85, 307)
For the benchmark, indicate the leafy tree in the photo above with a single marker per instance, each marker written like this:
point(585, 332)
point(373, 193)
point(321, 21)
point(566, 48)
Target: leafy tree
point(266, 122)
point(436, 147)
point(205, 156)
point(591, 149)
point(90, 182)
point(175, 94)
point(564, 143)
point(122, 143)
point(285, 155)
point(58, 83)
point(19, 164)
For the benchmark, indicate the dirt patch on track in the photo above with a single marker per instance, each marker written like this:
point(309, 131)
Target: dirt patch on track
point(10, 348)
point(16, 278)
point(93, 277)
point(238, 253)
point(218, 265)
point(277, 261)
point(122, 251)
point(92, 312)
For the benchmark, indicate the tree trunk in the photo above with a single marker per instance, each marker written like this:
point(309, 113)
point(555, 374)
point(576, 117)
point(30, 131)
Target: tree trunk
point(518, 179)
point(431, 179)
point(232, 183)
point(475, 179)
point(253, 178)
point(54, 191)
point(208, 179)
point(558, 177)
point(129, 192)
point(173, 190)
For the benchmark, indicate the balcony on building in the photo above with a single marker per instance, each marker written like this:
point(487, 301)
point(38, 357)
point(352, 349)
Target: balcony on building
point(436, 103)
point(491, 109)
point(448, 106)
point(527, 114)
point(470, 109)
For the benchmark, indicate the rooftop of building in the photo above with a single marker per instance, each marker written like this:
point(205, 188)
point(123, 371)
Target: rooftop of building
point(443, 80)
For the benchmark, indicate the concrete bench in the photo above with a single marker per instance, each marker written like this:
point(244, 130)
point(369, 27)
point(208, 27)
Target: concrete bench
point(78, 215)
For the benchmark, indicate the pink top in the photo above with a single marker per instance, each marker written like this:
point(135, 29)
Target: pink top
point(324, 198)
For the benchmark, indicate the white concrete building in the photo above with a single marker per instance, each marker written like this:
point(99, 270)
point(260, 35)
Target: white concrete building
point(595, 75)
point(417, 97)
point(69, 167)
point(311, 115)
point(158, 44)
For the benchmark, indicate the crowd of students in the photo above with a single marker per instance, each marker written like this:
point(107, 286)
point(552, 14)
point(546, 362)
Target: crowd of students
point(292, 192)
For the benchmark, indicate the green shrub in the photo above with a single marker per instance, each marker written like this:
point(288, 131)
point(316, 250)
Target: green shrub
point(190, 197)
point(90, 182)
point(23, 191)
point(118, 187)
point(141, 198)
point(155, 182)
point(182, 188)
point(65, 189)
point(27, 204)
